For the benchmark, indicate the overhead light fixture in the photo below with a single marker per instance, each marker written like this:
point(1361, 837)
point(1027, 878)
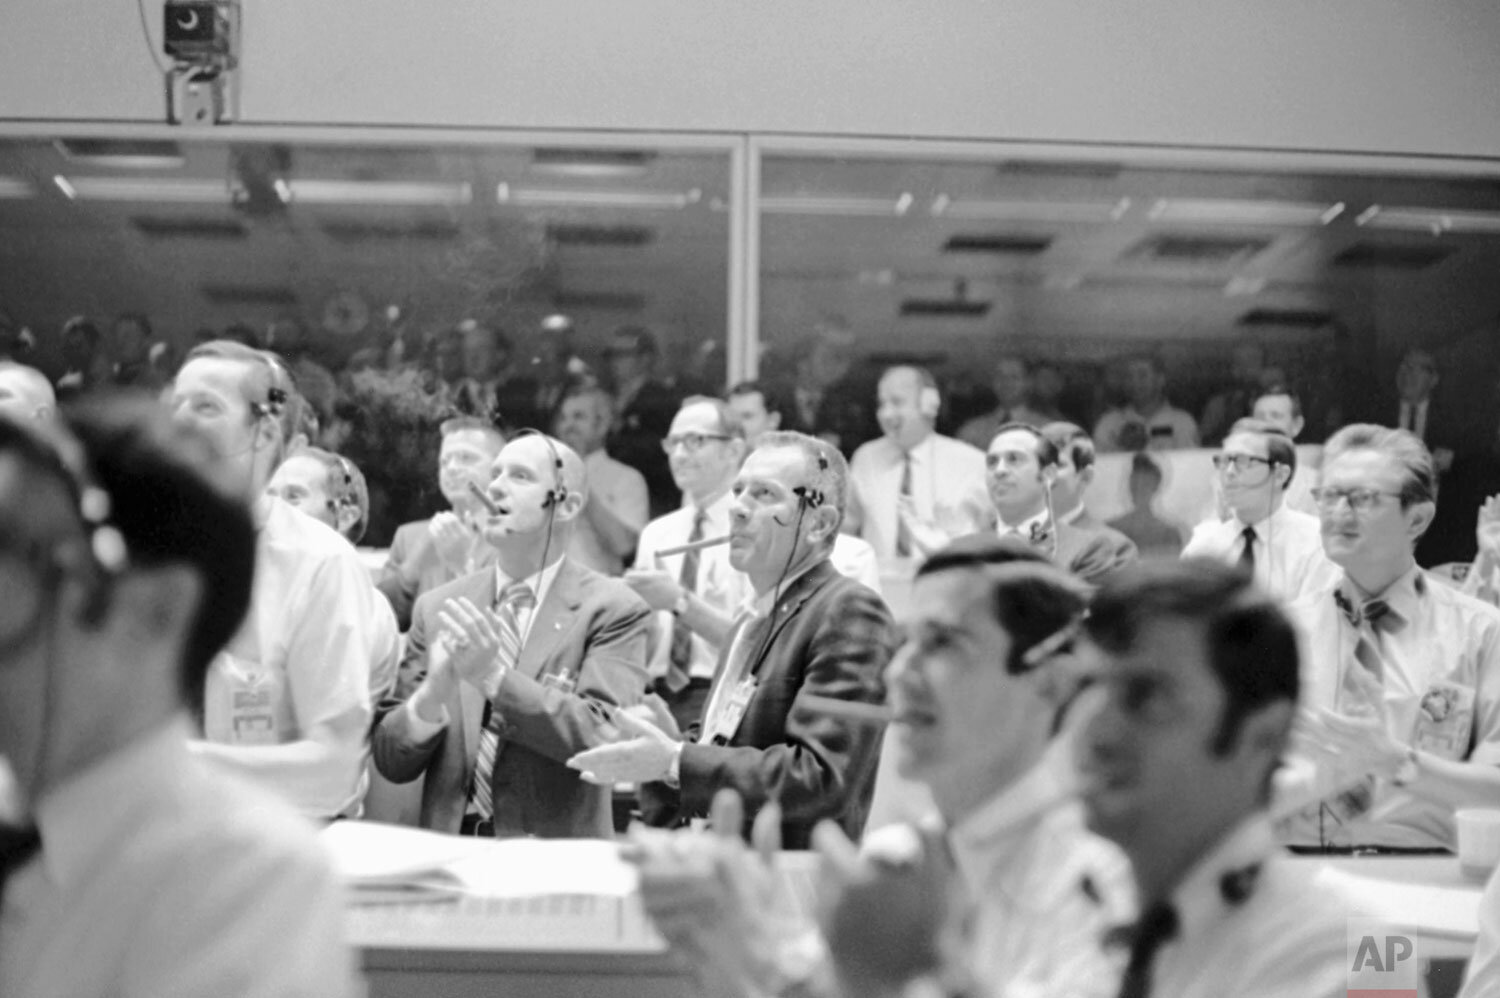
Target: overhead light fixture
point(534, 197)
point(1205, 211)
point(122, 154)
point(854, 207)
point(15, 187)
point(1238, 287)
point(1434, 220)
point(1058, 212)
point(140, 189)
point(380, 192)
point(591, 162)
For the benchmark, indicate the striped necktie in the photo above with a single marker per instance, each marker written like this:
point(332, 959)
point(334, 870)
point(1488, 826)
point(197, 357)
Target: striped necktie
point(513, 599)
point(1366, 620)
point(903, 536)
point(678, 674)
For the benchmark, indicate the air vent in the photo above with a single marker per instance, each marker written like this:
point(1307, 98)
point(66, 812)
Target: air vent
point(1286, 318)
point(1198, 251)
point(248, 294)
point(1060, 168)
point(351, 231)
point(125, 153)
point(944, 308)
point(599, 301)
point(999, 245)
point(616, 236)
point(163, 227)
point(1389, 256)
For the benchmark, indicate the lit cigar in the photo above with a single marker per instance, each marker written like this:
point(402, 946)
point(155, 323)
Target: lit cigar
point(849, 710)
point(707, 542)
point(484, 498)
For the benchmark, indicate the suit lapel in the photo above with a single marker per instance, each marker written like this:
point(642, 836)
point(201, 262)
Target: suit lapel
point(788, 607)
point(553, 616)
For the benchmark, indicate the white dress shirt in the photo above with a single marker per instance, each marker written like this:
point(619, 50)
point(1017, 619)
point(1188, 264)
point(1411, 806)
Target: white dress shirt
point(287, 702)
point(620, 489)
point(1289, 558)
point(1441, 661)
point(719, 584)
point(162, 875)
point(856, 559)
point(947, 486)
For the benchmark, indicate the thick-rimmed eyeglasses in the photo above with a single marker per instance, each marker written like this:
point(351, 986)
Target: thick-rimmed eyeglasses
point(1241, 463)
point(691, 442)
point(1359, 500)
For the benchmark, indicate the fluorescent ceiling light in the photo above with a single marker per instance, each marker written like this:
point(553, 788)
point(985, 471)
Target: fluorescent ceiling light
point(383, 192)
point(15, 187)
point(591, 162)
point(1188, 211)
point(858, 207)
point(535, 197)
point(138, 189)
point(1031, 211)
point(1434, 220)
point(1238, 287)
point(126, 154)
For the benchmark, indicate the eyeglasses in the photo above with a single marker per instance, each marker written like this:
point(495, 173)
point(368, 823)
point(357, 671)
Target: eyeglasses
point(1241, 463)
point(691, 442)
point(1359, 500)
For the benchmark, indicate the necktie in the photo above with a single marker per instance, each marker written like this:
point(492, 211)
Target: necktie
point(1247, 553)
point(903, 537)
point(742, 649)
point(682, 635)
point(513, 598)
point(17, 845)
point(1365, 619)
point(1158, 925)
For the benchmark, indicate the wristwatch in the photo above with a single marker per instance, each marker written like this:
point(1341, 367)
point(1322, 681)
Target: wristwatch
point(1408, 770)
point(680, 607)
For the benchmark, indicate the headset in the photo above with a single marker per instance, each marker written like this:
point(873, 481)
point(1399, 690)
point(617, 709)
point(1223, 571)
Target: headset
point(808, 498)
point(929, 402)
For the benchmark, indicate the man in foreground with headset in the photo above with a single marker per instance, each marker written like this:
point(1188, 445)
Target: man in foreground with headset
point(809, 630)
point(138, 868)
point(514, 668)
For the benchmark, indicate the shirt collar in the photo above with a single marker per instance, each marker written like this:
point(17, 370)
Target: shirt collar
point(716, 512)
point(85, 816)
point(540, 583)
point(1200, 895)
point(1072, 515)
point(1028, 526)
point(1403, 597)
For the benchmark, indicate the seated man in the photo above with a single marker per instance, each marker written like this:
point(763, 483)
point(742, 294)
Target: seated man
point(1282, 408)
point(144, 870)
point(1281, 548)
point(288, 700)
point(25, 393)
point(427, 553)
point(1404, 672)
point(619, 504)
point(1148, 421)
point(810, 630)
point(1075, 473)
point(987, 651)
point(511, 670)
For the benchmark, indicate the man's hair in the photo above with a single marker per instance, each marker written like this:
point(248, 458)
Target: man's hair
point(345, 487)
point(499, 340)
point(1028, 597)
point(139, 318)
point(1279, 446)
point(301, 417)
point(729, 423)
point(642, 340)
point(603, 401)
point(827, 471)
point(1282, 390)
point(84, 325)
point(771, 396)
point(1250, 644)
point(1072, 440)
point(170, 509)
point(924, 377)
point(471, 424)
point(1420, 481)
point(1042, 445)
point(1148, 357)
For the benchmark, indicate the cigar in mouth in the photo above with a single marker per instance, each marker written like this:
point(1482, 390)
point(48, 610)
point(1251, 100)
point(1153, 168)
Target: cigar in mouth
point(484, 498)
point(707, 542)
point(849, 710)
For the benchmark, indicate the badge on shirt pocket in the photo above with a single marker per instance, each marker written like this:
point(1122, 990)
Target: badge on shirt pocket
point(729, 719)
point(252, 691)
point(1445, 720)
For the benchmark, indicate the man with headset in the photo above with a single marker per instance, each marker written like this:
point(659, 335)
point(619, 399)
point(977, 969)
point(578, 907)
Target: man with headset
point(913, 489)
point(138, 869)
point(809, 630)
point(1021, 465)
point(288, 700)
point(1280, 547)
point(511, 670)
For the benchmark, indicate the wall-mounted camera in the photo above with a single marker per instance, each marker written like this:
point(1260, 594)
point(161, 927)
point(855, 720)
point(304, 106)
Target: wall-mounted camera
point(202, 38)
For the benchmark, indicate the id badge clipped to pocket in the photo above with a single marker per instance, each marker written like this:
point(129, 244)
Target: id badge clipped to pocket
point(729, 719)
point(1445, 720)
point(252, 691)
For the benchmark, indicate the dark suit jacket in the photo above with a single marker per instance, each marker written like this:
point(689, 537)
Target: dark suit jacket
point(590, 628)
point(829, 636)
point(412, 567)
point(1089, 554)
point(635, 439)
point(1125, 551)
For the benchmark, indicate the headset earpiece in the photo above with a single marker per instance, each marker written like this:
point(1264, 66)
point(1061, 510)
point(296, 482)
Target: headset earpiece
point(929, 402)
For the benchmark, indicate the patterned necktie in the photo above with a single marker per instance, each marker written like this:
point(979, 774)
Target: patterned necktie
point(682, 635)
point(1247, 553)
point(903, 537)
point(17, 845)
point(1365, 619)
point(513, 599)
point(1158, 925)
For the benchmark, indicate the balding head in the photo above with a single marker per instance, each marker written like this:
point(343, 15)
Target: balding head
point(25, 393)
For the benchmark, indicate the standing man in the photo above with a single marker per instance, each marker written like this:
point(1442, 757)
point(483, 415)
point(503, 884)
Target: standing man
point(142, 870)
point(1404, 673)
point(643, 411)
point(511, 670)
point(618, 505)
point(695, 593)
point(287, 702)
point(427, 553)
point(1148, 421)
point(809, 630)
point(914, 489)
point(1281, 548)
point(1022, 467)
point(1200, 678)
point(1012, 387)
